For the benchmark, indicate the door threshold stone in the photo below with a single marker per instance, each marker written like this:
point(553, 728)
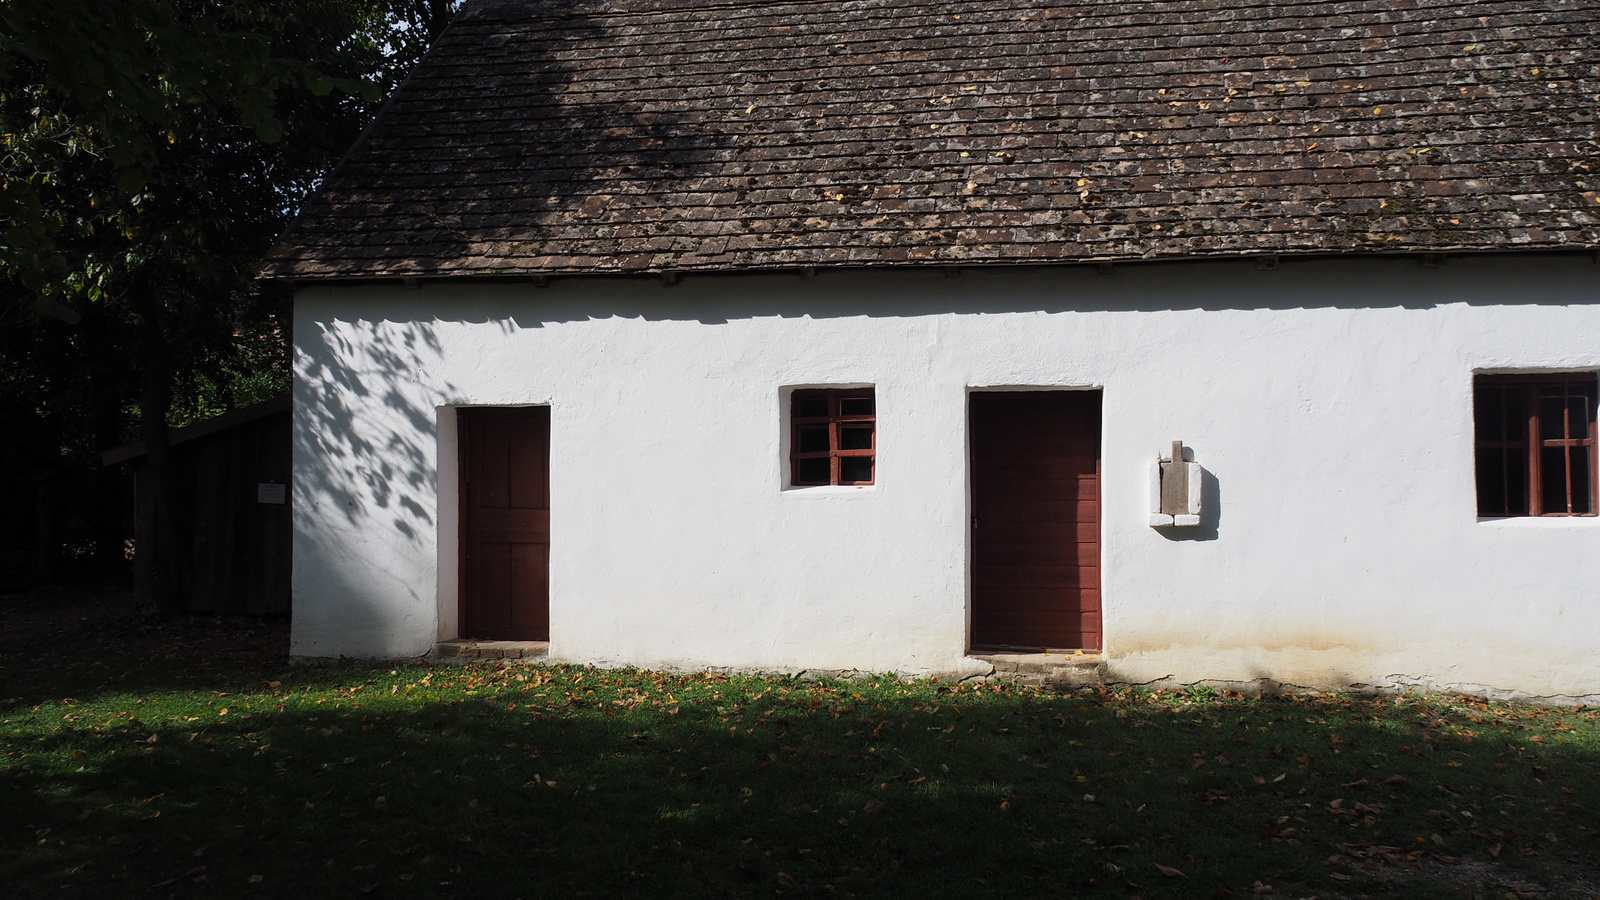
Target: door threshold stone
point(523, 650)
point(1055, 669)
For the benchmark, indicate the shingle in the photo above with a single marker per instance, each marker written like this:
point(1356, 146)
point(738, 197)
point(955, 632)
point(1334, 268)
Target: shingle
point(644, 135)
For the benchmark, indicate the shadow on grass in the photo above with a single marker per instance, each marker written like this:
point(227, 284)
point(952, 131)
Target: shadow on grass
point(622, 784)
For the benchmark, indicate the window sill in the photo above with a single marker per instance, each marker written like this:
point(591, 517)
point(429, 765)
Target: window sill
point(1541, 522)
point(829, 490)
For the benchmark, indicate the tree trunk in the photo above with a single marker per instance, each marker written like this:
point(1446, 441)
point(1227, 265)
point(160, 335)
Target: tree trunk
point(164, 579)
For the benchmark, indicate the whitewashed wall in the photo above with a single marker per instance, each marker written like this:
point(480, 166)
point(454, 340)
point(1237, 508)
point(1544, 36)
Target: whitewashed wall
point(1331, 400)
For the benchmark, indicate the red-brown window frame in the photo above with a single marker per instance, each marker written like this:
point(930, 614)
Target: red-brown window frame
point(834, 420)
point(1533, 441)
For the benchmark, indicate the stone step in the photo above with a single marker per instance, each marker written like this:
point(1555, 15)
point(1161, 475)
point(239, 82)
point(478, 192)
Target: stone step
point(1058, 670)
point(523, 650)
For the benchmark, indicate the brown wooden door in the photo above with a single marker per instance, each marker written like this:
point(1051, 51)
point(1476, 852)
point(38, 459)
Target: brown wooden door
point(1036, 519)
point(505, 523)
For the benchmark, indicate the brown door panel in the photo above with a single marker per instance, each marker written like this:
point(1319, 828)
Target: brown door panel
point(1036, 519)
point(505, 523)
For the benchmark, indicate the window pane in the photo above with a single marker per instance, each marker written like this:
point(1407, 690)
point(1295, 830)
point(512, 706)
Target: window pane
point(1552, 422)
point(855, 437)
point(1502, 482)
point(814, 439)
point(810, 407)
point(855, 470)
point(812, 471)
point(1582, 485)
point(1492, 499)
point(1498, 412)
point(855, 406)
point(1553, 479)
point(1580, 406)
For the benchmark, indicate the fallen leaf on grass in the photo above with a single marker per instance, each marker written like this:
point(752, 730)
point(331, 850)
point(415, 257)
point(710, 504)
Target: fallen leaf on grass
point(873, 805)
point(1169, 871)
point(1494, 851)
point(1397, 781)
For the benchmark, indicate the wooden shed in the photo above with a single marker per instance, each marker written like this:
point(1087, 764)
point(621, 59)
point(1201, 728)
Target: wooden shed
point(231, 509)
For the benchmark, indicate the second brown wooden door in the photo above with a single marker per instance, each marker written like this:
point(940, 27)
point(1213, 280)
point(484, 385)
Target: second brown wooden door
point(1036, 519)
point(505, 523)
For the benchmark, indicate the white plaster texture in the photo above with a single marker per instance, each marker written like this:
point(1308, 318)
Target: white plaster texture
point(1329, 401)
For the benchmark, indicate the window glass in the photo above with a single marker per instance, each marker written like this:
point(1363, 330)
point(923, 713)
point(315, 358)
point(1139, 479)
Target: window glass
point(855, 437)
point(811, 407)
point(814, 439)
point(855, 406)
point(812, 471)
point(1552, 413)
point(855, 470)
point(1582, 480)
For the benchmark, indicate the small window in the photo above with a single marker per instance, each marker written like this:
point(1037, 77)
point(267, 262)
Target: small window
point(1536, 444)
point(834, 438)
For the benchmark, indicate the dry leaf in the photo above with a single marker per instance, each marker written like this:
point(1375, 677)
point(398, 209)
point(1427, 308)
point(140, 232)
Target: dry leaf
point(1169, 871)
point(873, 805)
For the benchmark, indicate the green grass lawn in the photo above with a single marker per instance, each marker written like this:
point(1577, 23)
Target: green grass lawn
point(188, 777)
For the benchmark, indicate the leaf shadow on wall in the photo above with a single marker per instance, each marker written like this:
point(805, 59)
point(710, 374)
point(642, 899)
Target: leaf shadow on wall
point(365, 445)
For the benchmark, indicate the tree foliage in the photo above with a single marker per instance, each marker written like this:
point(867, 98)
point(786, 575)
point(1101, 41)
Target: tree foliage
point(150, 151)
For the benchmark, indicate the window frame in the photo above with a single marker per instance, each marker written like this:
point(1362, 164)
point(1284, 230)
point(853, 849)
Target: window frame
point(834, 420)
point(1533, 442)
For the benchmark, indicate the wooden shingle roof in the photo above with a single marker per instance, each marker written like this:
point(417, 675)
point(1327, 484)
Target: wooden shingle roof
point(615, 136)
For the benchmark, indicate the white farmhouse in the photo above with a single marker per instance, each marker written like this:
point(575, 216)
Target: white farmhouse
point(853, 335)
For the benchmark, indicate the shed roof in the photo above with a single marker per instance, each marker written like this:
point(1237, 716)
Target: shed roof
point(617, 136)
point(204, 428)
